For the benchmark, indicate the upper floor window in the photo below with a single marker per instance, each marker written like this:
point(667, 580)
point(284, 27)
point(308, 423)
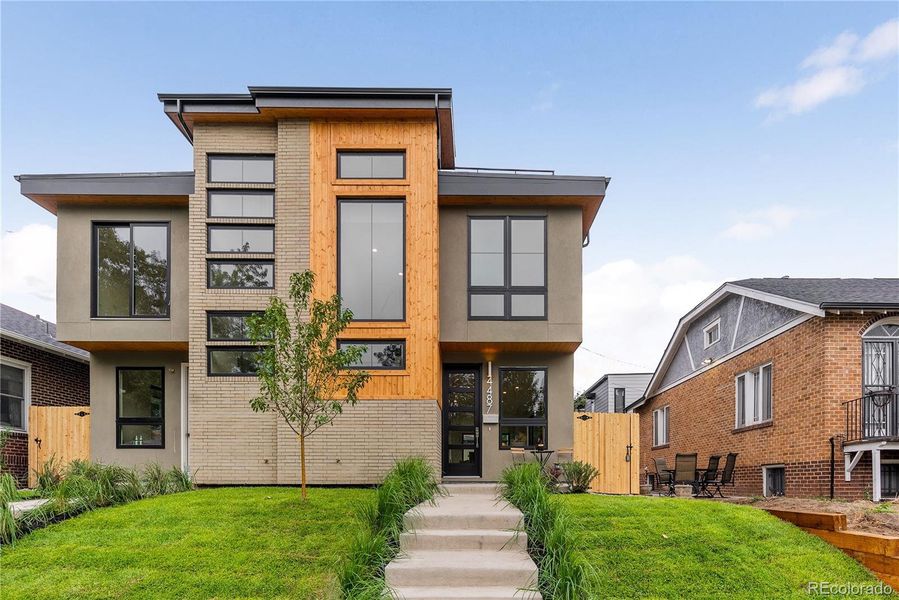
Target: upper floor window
point(372, 258)
point(241, 238)
point(379, 354)
point(711, 333)
point(522, 407)
point(140, 407)
point(754, 396)
point(15, 383)
point(229, 326)
point(131, 270)
point(255, 205)
point(507, 268)
point(619, 399)
point(247, 168)
point(371, 165)
point(240, 274)
point(660, 426)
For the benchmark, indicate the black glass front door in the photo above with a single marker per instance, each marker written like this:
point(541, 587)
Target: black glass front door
point(461, 420)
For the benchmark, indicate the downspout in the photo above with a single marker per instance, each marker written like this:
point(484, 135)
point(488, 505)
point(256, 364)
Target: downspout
point(184, 128)
point(832, 466)
point(437, 121)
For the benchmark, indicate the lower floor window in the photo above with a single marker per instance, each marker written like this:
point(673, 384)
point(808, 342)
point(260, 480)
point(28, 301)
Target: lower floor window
point(660, 426)
point(522, 407)
point(889, 478)
point(233, 360)
point(378, 354)
point(775, 481)
point(140, 407)
point(13, 403)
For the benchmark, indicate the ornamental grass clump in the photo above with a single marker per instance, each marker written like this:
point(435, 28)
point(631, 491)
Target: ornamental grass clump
point(564, 573)
point(579, 475)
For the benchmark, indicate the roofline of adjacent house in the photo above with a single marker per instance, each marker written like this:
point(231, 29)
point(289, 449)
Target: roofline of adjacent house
point(882, 306)
point(599, 381)
point(24, 339)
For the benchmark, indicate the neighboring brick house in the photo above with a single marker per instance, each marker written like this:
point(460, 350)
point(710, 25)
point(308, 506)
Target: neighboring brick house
point(465, 285)
point(37, 370)
point(798, 376)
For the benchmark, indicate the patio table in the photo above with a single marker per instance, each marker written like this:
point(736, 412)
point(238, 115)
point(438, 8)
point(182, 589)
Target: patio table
point(542, 457)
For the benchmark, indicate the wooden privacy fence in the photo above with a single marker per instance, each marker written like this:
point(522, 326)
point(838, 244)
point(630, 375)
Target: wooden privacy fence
point(63, 432)
point(611, 443)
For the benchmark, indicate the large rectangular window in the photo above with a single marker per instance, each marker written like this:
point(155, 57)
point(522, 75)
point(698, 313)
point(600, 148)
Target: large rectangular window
point(232, 360)
point(372, 258)
point(229, 326)
point(241, 168)
point(244, 204)
point(660, 426)
point(507, 268)
point(140, 407)
point(241, 238)
point(522, 407)
point(371, 165)
point(131, 270)
point(241, 274)
point(753, 392)
point(14, 390)
point(379, 354)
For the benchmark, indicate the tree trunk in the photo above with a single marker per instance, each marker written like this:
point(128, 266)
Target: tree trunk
point(303, 465)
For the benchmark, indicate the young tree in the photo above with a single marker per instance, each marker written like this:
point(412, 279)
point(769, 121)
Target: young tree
point(303, 376)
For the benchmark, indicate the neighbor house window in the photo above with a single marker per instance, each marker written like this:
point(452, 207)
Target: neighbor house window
point(246, 204)
point(507, 268)
point(15, 389)
point(241, 238)
point(660, 426)
point(775, 480)
point(131, 270)
point(241, 274)
point(522, 407)
point(140, 407)
point(379, 354)
point(371, 165)
point(232, 360)
point(241, 169)
point(754, 396)
point(372, 258)
point(711, 333)
point(619, 400)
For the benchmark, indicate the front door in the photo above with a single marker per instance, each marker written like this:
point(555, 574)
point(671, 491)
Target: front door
point(461, 420)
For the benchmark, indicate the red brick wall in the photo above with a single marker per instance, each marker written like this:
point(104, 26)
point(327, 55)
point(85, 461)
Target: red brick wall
point(55, 381)
point(816, 367)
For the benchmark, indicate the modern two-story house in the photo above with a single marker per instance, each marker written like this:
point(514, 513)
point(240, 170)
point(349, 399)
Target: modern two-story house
point(465, 285)
point(797, 376)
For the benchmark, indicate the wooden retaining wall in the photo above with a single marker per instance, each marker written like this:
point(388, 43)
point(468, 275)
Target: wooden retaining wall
point(879, 553)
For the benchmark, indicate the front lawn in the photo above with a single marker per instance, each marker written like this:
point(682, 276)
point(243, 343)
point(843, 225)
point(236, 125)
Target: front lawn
point(669, 548)
point(212, 543)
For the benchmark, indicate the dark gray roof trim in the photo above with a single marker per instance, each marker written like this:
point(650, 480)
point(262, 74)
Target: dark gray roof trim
point(28, 329)
point(831, 293)
point(179, 183)
point(460, 183)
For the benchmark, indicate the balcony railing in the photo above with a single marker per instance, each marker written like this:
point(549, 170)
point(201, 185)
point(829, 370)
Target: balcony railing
point(874, 416)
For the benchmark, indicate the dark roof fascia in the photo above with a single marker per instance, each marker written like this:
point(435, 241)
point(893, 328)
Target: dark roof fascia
point(860, 305)
point(460, 183)
point(171, 183)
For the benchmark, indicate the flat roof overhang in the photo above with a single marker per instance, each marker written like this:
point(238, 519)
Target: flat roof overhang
point(494, 348)
point(267, 104)
point(162, 188)
point(461, 188)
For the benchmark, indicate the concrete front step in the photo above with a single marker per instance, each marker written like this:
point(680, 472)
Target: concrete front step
point(463, 512)
point(449, 568)
point(465, 593)
point(460, 489)
point(463, 539)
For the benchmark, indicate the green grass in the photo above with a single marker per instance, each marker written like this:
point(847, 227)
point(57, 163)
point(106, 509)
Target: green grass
point(212, 543)
point(668, 548)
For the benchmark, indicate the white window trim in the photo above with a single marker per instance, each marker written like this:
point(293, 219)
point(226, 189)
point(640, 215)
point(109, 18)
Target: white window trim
point(665, 413)
point(765, 477)
point(27, 391)
point(752, 371)
point(705, 333)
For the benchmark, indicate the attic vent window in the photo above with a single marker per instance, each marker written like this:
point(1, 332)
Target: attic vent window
point(711, 333)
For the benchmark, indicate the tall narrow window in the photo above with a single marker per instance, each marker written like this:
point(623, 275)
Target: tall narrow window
point(371, 165)
point(754, 396)
point(507, 268)
point(372, 258)
point(242, 168)
point(619, 400)
point(522, 407)
point(660, 426)
point(131, 270)
point(140, 407)
point(14, 391)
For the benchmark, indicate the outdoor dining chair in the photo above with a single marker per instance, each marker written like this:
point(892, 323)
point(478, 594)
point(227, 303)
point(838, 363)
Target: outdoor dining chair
point(709, 476)
point(727, 476)
point(664, 477)
point(685, 469)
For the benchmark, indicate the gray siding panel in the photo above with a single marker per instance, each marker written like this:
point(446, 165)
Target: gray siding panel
point(761, 317)
point(634, 385)
point(680, 366)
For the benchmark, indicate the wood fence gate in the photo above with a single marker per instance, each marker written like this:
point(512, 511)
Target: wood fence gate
point(63, 432)
point(611, 443)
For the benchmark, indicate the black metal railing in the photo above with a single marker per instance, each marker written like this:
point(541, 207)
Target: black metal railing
point(874, 416)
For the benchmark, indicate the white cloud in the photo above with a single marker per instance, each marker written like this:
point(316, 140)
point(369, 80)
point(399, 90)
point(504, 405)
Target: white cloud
point(28, 274)
point(763, 223)
point(840, 71)
point(546, 97)
point(630, 310)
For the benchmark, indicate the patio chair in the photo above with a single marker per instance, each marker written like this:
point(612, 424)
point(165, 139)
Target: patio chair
point(663, 476)
point(709, 475)
point(727, 476)
point(518, 456)
point(685, 470)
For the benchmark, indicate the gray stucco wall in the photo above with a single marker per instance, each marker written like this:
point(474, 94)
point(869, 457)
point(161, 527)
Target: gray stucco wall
point(563, 256)
point(73, 276)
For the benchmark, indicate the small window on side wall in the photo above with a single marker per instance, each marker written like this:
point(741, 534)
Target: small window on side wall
point(660, 426)
point(140, 407)
point(371, 165)
point(244, 168)
point(711, 333)
point(754, 396)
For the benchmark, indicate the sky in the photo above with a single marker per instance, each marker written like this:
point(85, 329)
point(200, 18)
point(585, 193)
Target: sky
point(742, 139)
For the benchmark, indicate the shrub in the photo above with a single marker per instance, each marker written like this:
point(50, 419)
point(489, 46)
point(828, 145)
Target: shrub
point(154, 480)
point(8, 493)
point(563, 572)
point(48, 476)
point(579, 475)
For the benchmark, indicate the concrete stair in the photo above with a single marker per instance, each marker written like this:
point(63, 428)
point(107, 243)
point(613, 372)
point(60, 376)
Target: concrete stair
point(463, 547)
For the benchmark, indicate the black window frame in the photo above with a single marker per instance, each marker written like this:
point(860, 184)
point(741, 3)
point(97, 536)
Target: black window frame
point(239, 348)
point(227, 313)
point(524, 422)
point(120, 420)
point(370, 152)
point(239, 192)
point(212, 261)
point(507, 290)
point(258, 226)
point(615, 399)
point(368, 342)
point(370, 200)
point(251, 156)
point(95, 225)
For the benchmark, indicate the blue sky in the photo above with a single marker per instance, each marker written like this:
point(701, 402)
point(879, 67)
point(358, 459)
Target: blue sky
point(755, 139)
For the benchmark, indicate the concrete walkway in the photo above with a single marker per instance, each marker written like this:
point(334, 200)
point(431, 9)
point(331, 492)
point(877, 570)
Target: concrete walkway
point(22, 506)
point(464, 547)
